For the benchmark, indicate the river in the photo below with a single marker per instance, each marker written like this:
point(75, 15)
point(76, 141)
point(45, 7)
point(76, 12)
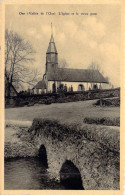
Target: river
point(28, 174)
point(31, 174)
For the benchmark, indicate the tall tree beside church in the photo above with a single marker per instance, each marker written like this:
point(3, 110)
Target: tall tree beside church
point(96, 66)
point(18, 54)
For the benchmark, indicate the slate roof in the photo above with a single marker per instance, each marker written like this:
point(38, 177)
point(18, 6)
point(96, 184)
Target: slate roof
point(40, 85)
point(52, 46)
point(76, 75)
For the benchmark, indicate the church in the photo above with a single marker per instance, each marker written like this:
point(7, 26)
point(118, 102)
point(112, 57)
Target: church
point(58, 79)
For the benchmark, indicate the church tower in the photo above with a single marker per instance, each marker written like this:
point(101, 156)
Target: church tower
point(51, 54)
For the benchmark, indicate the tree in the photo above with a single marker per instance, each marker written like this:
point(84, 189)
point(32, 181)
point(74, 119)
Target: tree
point(96, 66)
point(18, 54)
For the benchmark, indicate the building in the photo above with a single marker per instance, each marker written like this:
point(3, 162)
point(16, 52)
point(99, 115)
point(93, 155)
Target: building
point(58, 79)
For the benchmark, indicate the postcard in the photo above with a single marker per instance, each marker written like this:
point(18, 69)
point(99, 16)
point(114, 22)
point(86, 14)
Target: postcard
point(62, 80)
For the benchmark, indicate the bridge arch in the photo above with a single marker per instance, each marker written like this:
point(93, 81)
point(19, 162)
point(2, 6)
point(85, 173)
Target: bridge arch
point(43, 155)
point(70, 176)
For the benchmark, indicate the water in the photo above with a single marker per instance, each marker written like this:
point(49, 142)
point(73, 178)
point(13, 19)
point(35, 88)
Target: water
point(32, 174)
point(28, 174)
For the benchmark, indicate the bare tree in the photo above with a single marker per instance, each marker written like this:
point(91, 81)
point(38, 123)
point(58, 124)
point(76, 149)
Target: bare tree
point(63, 63)
point(18, 54)
point(107, 79)
point(95, 66)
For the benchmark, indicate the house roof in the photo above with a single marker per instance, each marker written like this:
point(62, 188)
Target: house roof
point(40, 85)
point(76, 75)
point(52, 46)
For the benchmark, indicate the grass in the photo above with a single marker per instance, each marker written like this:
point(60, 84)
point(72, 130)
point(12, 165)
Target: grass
point(73, 112)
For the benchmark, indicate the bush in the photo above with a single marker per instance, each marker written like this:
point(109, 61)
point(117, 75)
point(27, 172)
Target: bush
point(103, 121)
point(47, 102)
point(108, 102)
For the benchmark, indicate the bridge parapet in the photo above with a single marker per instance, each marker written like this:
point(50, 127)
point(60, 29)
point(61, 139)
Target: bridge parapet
point(93, 149)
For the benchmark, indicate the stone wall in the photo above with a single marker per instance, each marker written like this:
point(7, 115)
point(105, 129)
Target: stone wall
point(30, 100)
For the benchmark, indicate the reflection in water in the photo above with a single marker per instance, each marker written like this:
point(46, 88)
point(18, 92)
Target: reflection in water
point(29, 174)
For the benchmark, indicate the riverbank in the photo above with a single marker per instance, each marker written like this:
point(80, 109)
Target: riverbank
point(18, 141)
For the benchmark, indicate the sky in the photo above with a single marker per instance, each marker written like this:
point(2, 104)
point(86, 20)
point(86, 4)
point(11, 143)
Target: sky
point(80, 39)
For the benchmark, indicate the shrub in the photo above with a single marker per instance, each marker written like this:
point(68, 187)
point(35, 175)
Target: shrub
point(108, 102)
point(103, 121)
point(48, 101)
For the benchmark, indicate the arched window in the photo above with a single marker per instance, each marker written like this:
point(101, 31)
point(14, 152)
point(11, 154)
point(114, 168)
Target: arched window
point(81, 87)
point(95, 86)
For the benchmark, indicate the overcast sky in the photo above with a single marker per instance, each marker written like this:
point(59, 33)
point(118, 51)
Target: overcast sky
point(80, 39)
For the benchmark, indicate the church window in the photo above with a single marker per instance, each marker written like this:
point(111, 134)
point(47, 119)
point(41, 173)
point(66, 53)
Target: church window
point(81, 87)
point(95, 87)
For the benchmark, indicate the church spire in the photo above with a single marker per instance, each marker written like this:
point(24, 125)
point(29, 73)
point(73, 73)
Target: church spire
point(52, 46)
point(51, 54)
point(52, 39)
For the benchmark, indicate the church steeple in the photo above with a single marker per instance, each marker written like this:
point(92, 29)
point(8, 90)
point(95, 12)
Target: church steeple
point(51, 54)
point(51, 39)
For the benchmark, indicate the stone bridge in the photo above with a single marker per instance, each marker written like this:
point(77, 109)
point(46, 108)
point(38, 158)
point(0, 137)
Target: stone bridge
point(85, 156)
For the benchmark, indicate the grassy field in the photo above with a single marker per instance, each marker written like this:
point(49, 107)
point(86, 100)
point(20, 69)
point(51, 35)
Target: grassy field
point(65, 112)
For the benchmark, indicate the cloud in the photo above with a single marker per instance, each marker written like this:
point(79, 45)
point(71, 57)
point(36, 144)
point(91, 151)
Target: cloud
point(38, 36)
point(61, 39)
point(93, 44)
point(31, 31)
point(94, 27)
point(70, 28)
point(45, 29)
